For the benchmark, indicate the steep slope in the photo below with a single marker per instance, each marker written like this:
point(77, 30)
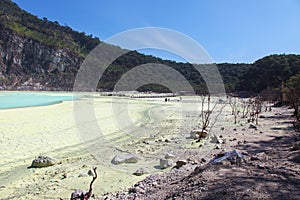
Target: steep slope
point(38, 54)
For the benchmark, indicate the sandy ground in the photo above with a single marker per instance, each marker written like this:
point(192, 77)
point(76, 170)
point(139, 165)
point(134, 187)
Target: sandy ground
point(149, 128)
point(271, 169)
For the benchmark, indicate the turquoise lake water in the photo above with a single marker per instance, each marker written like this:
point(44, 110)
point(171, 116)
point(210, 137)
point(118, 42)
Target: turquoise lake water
point(27, 99)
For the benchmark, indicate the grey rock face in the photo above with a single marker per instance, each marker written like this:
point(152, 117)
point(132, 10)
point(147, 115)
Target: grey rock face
point(28, 64)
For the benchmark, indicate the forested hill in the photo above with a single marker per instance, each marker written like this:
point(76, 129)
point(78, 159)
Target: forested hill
point(37, 54)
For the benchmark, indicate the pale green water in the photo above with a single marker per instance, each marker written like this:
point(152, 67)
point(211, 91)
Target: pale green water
point(10, 100)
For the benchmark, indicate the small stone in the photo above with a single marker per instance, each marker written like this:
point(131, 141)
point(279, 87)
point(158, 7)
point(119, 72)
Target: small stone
point(126, 158)
point(165, 163)
point(216, 140)
point(278, 137)
point(139, 190)
point(262, 167)
point(154, 184)
point(91, 173)
point(82, 175)
point(253, 158)
point(252, 126)
point(295, 147)
point(222, 128)
point(167, 140)
point(64, 175)
point(180, 163)
point(234, 129)
point(169, 156)
point(141, 171)
point(218, 147)
point(196, 134)
point(203, 160)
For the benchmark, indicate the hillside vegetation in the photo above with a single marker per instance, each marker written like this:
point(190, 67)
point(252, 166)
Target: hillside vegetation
point(37, 54)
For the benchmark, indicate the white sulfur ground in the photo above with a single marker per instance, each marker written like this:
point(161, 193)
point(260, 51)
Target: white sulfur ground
point(148, 128)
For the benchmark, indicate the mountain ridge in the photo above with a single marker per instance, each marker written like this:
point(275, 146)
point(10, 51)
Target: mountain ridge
point(37, 54)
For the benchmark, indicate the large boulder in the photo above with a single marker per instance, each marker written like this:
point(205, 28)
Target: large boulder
point(124, 158)
point(43, 161)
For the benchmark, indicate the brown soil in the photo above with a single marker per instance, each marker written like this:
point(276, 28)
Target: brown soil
point(271, 170)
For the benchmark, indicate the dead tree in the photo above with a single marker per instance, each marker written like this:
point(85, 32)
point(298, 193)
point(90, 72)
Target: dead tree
point(234, 109)
point(206, 116)
point(82, 194)
point(294, 100)
point(256, 106)
point(245, 109)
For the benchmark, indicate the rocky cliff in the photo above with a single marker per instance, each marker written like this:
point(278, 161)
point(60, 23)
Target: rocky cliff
point(38, 54)
point(27, 64)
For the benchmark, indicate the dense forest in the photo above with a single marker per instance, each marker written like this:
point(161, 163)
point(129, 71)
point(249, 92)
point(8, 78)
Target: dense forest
point(39, 54)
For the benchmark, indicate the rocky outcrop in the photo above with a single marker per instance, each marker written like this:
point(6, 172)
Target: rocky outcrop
point(29, 64)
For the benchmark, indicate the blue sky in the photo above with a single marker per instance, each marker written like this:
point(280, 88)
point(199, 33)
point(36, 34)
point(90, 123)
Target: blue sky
point(230, 31)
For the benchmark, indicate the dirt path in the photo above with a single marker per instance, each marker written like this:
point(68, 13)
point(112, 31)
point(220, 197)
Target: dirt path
point(271, 171)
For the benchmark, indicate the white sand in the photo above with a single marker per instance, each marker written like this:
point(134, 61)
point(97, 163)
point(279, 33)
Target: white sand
point(51, 130)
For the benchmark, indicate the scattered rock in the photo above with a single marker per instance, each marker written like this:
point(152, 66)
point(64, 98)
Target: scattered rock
point(278, 137)
point(222, 128)
point(169, 156)
point(216, 140)
point(140, 171)
point(43, 161)
point(82, 175)
point(154, 184)
point(198, 134)
point(167, 140)
point(125, 158)
point(253, 158)
point(263, 166)
point(165, 163)
point(139, 190)
point(296, 147)
point(91, 173)
point(252, 126)
point(203, 160)
point(180, 163)
point(235, 157)
point(218, 147)
point(234, 129)
point(64, 175)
